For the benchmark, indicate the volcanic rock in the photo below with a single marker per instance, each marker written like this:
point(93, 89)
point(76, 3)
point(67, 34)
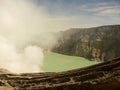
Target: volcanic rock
point(97, 43)
point(101, 76)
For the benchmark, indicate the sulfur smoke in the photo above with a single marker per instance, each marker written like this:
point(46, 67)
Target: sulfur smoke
point(21, 34)
point(28, 60)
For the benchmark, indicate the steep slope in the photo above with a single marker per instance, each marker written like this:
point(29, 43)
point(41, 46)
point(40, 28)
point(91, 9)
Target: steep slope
point(98, 43)
point(98, 77)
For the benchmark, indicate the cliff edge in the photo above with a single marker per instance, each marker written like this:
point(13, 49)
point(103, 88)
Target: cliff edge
point(97, 77)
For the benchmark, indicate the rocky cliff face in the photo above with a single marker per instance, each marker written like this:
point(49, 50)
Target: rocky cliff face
point(98, 44)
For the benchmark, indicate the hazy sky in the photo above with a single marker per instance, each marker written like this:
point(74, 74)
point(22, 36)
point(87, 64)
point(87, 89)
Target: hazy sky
point(66, 14)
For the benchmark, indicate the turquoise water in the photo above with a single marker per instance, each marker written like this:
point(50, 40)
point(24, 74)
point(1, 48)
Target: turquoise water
point(54, 62)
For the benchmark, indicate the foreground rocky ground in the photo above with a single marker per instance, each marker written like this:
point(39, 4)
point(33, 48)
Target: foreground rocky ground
point(102, 76)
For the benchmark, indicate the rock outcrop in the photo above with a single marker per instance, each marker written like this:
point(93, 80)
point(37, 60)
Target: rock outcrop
point(4, 71)
point(97, 77)
point(98, 43)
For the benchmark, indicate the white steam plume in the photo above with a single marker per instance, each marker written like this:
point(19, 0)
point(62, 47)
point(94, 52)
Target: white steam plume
point(28, 60)
point(20, 23)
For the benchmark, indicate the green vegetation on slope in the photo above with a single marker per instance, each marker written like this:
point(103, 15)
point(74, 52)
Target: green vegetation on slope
point(54, 62)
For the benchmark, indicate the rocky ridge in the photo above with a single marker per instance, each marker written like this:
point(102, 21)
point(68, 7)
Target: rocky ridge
point(97, 43)
point(97, 77)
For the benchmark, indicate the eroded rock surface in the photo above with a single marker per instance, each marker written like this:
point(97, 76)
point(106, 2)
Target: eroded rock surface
point(97, 77)
point(4, 71)
point(98, 43)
